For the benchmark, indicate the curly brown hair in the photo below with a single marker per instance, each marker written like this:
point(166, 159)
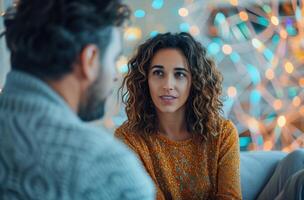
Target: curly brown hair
point(204, 104)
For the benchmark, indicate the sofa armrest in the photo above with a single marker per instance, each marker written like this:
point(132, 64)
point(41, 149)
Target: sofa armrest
point(256, 169)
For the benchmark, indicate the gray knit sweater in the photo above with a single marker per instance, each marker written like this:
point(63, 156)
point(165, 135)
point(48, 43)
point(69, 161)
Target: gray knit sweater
point(48, 153)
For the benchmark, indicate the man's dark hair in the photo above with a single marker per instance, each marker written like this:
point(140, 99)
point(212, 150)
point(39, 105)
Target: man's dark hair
point(46, 36)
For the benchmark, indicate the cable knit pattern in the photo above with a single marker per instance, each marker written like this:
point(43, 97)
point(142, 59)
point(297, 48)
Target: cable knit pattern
point(47, 153)
point(190, 169)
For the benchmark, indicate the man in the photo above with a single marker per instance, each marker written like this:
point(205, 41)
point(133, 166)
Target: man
point(62, 56)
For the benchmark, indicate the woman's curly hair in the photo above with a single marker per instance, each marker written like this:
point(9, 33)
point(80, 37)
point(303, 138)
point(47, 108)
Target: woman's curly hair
point(204, 105)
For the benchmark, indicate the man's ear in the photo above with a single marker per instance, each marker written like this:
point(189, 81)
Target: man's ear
point(89, 62)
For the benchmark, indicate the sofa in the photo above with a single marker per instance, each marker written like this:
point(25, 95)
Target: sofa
point(256, 169)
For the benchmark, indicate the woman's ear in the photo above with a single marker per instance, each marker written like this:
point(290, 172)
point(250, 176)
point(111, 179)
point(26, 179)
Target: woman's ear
point(89, 62)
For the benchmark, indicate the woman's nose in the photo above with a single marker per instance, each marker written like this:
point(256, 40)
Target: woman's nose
point(168, 83)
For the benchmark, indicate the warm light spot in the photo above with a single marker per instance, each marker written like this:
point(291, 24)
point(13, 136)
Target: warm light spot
point(232, 91)
point(132, 33)
point(302, 111)
point(289, 67)
point(257, 44)
point(283, 34)
point(252, 147)
point(301, 82)
point(183, 12)
point(121, 61)
point(234, 2)
point(269, 74)
point(227, 49)
point(268, 145)
point(286, 149)
point(194, 30)
point(121, 64)
point(243, 15)
point(253, 125)
point(277, 104)
point(281, 121)
point(296, 101)
point(274, 20)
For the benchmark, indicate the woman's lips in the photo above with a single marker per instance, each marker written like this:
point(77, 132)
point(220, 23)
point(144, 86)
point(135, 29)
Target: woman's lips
point(168, 99)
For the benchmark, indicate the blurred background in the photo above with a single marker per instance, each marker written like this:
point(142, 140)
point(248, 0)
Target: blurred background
point(258, 45)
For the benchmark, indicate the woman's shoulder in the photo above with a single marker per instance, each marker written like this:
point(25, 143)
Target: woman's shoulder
point(125, 134)
point(227, 125)
point(226, 129)
point(134, 140)
point(122, 131)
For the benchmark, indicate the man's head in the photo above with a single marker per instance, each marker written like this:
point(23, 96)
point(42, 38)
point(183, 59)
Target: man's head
point(75, 41)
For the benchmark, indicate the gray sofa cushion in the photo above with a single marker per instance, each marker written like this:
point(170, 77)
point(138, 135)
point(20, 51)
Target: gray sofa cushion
point(256, 169)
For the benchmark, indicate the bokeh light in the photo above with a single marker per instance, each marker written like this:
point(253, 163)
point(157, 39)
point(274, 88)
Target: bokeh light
point(139, 13)
point(132, 33)
point(281, 121)
point(227, 49)
point(183, 12)
point(232, 91)
point(157, 4)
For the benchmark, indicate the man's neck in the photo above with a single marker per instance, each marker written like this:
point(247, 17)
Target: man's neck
point(68, 89)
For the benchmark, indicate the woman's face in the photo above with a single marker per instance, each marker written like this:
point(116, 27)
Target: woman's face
point(169, 80)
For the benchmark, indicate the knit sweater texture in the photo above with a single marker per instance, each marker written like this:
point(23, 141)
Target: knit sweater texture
point(48, 153)
point(193, 168)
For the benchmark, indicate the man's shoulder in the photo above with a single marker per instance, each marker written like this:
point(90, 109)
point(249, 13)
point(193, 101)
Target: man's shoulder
point(114, 167)
point(98, 138)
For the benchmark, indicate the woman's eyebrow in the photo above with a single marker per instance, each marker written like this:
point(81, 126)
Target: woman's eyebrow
point(157, 66)
point(181, 69)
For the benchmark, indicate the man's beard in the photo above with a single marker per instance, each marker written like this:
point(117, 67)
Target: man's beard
point(91, 113)
point(93, 106)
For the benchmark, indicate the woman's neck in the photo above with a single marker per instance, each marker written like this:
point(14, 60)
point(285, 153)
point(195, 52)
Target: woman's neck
point(173, 125)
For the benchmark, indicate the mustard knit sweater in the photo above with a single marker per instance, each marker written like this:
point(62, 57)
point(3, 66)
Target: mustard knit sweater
point(193, 168)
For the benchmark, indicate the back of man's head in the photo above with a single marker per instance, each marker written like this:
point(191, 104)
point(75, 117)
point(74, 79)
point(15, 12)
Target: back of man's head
point(46, 36)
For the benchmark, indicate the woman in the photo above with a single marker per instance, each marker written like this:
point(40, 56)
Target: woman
point(174, 125)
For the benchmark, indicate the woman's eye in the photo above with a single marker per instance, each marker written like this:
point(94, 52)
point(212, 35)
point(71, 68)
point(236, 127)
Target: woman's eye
point(158, 73)
point(180, 74)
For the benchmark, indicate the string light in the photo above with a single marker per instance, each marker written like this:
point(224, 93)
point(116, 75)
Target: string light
point(227, 49)
point(289, 67)
point(183, 12)
point(121, 64)
point(234, 2)
point(194, 30)
point(274, 20)
point(301, 82)
point(281, 121)
point(243, 15)
point(296, 101)
point(269, 74)
point(232, 91)
point(302, 111)
point(283, 34)
point(132, 33)
point(277, 104)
